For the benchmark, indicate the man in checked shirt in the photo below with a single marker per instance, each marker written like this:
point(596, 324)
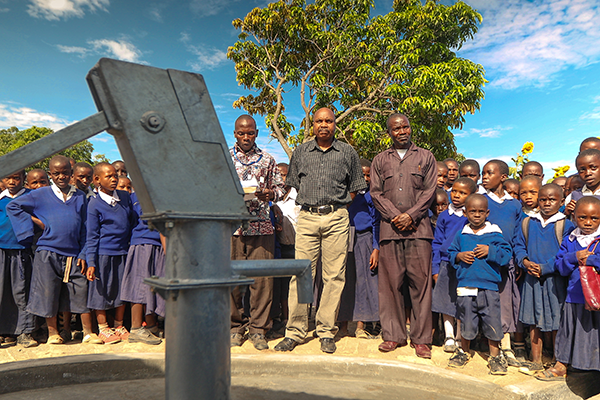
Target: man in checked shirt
point(260, 177)
point(327, 174)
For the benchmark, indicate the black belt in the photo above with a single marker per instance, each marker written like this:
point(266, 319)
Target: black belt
point(322, 210)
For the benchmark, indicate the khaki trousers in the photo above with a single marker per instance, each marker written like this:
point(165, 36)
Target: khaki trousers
point(261, 291)
point(325, 236)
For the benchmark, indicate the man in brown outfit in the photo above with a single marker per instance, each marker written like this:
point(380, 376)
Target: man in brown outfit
point(403, 183)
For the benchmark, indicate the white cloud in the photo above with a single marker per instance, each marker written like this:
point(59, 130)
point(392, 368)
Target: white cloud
point(121, 49)
point(25, 117)
point(483, 133)
point(206, 57)
point(155, 11)
point(522, 43)
point(3, 10)
point(205, 8)
point(594, 114)
point(54, 10)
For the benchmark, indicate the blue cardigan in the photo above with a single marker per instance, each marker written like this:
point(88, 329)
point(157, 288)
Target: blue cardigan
point(446, 228)
point(141, 233)
point(364, 216)
point(568, 265)
point(8, 240)
point(64, 231)
point(507, 215)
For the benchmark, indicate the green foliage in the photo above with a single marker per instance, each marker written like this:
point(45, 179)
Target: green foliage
point(13, 138)
point(363, 67)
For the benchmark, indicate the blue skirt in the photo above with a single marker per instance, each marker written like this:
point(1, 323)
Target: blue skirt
point(15, 281)
point(143, 261)
point(541, 301)
point(366, 300)
point(510, 298)
point(104, 293)
point(444, 293)
point(578, 337)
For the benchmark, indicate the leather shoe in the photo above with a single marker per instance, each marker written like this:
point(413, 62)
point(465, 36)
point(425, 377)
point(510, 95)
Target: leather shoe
point(328, 345)
point(287, 344)
point(421, 350)
point(388, 346)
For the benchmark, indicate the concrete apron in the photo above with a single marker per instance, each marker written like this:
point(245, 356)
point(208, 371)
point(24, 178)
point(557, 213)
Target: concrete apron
point(258, 371)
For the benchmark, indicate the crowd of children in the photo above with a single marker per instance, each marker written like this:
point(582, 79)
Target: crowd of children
point(67, 249)
point(505, 259)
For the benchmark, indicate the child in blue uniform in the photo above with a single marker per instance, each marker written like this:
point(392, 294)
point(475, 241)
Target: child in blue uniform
point(109, 222)
point(536, 245)
point(145, 258)
point(578, 337)
point(58, 282)
point(505, 212)
point(588, 167)
point(512, 186)
point(449, 223)
point(15, 271)
point(529, 190)
point(37, 178)
point(478, 252)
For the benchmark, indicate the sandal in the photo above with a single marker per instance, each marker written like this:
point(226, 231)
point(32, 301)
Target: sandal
point(551, 374)
point(449, 345)
point(55, 339)
point(530, 368)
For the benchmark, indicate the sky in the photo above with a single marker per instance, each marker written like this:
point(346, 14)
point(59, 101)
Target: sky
point(541, 61)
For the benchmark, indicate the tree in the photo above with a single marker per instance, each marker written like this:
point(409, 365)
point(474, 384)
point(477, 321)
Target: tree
point(13, 138)
point(334, 53)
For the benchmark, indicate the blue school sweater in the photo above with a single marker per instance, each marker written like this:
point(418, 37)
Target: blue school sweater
point(8, 240)
point(64, 231)
point(141, 233)
point(507, 215)
point(445, 231)
point(108, 227)
point(542, 245)
point(364, 216)
point(484, 273)
point(568, 265)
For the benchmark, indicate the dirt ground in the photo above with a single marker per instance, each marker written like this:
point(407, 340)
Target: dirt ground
point(347, 346)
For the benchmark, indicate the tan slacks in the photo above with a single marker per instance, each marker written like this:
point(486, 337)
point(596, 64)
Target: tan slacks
point(325, 236)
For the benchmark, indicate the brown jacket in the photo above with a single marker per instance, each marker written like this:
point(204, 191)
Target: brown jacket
point(404, 185)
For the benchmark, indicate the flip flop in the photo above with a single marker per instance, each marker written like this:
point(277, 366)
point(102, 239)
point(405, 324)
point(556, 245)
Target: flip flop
point(55, 339)
point(549, 375)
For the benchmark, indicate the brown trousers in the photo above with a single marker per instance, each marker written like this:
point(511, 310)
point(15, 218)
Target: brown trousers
point(261, 291)
point(410, 259)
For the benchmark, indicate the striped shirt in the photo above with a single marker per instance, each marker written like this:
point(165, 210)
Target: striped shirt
point(325, 177)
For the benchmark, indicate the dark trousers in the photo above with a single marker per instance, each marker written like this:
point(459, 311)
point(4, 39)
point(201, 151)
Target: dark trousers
point(408, 259)
point(261, 291)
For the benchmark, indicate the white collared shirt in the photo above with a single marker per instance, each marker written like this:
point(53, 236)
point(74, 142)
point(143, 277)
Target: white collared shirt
point(481, 190)
point(60, 194)
point(488, 228)
point(459, 211)
point(494, 196)
point(6, 193)
point(555, 218)
point(111, 200)
point(531, 211)
point(583, 240)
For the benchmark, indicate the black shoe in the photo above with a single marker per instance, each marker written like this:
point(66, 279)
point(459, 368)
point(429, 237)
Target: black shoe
point(520, 353)
point(258, 340)
point(497, 366)
point(26, 340)
point(237, 339)
point(287, 344)
point(510, 359)
point(459, 359)
point(328, 345)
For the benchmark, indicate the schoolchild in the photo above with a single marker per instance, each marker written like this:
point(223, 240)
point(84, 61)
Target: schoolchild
point(120, 168)
point(450, 222)
point(588, 168)
point(125, 184)
point(471, 169)
point(452, 166)
point(83, 177)
point(442, 174)
point(533, 168)
point(574, 182)
point(478, 252)
point(15, 271)
point(561, 181)
point(58, 282)
point(543, 293)
point(110, 219)
point(438, 206)
point(505, 212)
point(529, 190)
point(578, 337)
point(590, 143)
point(37, 178)
point(145, 258)
point(512, 186)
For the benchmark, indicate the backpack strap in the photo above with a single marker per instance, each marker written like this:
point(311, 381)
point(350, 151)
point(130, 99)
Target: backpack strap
point(525, 228)
point(559, 230)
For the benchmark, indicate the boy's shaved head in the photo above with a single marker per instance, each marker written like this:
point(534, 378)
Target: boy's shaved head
point(59, 160)
point(585, 200)
point(82, 164)
point(365, 163)
point(588, 153)
point(476, 198)
point(532, 178)
point(501, 165)
point(552, 187)
point(442, 165)
point(590, 143)
point(470, 163)
point(98, 168)
point(469, 183)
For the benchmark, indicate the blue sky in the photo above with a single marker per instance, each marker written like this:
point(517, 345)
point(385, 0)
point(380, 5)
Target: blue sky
point(541, 60)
